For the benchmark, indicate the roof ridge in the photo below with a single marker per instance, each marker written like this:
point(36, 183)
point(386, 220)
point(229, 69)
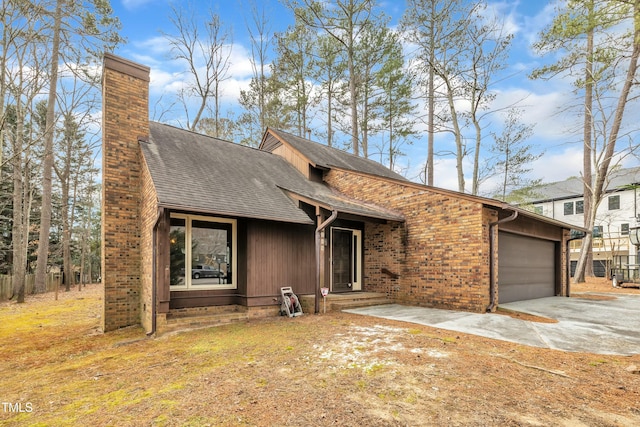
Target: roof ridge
point(209, 136)
point(330, 147)
point(617, 172)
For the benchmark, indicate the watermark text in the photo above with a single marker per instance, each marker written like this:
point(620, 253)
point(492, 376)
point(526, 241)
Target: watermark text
point(16, 407)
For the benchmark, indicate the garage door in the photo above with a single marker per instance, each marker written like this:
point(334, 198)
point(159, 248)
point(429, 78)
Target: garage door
point(526, 268)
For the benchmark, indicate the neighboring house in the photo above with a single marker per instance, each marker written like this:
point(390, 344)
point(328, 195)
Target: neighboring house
point(293, 213)
point(617, 213)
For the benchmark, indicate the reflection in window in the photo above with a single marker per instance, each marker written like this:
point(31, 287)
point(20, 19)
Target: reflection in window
point(597, 231)
point(614, 202)
point(580, 207)
point(211, 245)
point(568, 208)
point(208, 246)
point(624, 229)
point(177, 251)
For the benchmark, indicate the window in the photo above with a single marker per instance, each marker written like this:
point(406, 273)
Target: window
point(624, 229)
point(206, 244)
point(568, 208)
point(614, 202)
point(597, 231)
point(538, 210)
point(580, 207)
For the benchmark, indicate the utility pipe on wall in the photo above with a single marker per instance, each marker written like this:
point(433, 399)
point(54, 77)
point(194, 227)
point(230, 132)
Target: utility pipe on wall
point(321, 227)
point(154, 266)
point(492, 259)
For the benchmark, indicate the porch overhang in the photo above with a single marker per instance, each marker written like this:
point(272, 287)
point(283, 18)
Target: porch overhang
point(346, 207)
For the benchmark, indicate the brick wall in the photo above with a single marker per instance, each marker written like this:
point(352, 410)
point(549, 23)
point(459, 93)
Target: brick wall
point(125, 119)
point(441, 252)
point(148, 217)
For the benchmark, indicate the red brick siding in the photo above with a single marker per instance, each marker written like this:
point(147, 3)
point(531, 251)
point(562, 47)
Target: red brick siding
point(149, 212)
point(441, 252)
point(125, 118)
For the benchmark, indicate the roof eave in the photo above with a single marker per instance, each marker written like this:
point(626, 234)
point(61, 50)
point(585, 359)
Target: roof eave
point(204, 211)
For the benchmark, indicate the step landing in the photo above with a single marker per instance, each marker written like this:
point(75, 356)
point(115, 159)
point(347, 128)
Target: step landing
point(344, 301)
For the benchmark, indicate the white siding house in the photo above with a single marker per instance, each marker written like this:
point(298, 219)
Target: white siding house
point(617, 213)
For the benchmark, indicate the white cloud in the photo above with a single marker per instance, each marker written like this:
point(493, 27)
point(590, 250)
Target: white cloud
point(532, 25)
point(560, 165)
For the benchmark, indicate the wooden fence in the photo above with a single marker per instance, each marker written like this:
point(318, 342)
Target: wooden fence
point(6, 284)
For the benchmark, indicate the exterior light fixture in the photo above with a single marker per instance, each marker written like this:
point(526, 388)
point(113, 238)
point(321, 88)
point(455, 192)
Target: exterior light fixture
point(634, 235)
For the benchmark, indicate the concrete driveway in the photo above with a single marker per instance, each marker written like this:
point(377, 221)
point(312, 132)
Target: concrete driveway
point(584, 325)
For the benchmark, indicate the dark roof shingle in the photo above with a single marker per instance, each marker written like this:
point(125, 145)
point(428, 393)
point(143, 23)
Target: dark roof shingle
point(204, 174)
point(326, 157)
point(195, 172)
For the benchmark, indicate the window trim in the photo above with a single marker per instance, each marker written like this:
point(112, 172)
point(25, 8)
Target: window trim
point(617, 201)
point(624, 229)
point(598, 231)
point(566, 205)
point(188, 220)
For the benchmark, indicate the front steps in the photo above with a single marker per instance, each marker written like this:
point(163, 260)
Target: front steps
point(182, 319)
point(344, 301)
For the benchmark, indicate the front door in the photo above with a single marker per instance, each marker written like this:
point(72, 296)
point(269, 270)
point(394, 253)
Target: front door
point(346, 256)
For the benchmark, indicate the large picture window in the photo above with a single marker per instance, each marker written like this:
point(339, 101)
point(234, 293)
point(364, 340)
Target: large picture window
point(208, 246)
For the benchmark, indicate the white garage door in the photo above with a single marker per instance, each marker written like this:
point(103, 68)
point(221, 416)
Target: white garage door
point(526, 268)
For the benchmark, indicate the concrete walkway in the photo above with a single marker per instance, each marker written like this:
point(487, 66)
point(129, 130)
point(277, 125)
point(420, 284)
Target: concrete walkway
point(584, 325)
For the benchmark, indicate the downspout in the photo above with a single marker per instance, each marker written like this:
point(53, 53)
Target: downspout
point(154, 263)
point(492, 260)
point(321, 227)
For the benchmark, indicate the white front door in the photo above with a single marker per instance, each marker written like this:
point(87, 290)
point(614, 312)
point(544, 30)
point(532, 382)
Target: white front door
point(346, 259)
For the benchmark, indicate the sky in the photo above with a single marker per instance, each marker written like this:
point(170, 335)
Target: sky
point(144, 21)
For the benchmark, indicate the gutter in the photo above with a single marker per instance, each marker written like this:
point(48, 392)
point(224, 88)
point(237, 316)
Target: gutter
point(492, 260)
point(321, 227)
point(154, 264)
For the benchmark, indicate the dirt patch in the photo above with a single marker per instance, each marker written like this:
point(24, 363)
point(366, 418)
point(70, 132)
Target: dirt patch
point(595, 297)
point(524, 316)
point(324, 370)
point(598, 284)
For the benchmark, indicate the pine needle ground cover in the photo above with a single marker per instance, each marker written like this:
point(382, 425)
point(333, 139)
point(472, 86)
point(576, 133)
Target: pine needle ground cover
point(57, 369)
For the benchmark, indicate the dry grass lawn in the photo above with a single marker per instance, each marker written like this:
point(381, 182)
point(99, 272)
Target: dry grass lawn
point(333, 369)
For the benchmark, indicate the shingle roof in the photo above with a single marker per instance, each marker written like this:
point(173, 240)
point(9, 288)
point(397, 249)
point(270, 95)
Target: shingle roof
point(574, 187)
point(324, 156)
point(204, 174)
point(194, 172)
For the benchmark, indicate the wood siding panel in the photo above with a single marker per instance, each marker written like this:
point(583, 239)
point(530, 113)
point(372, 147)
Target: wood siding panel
point(279, 255)
point(293, 158)
point(530, 227)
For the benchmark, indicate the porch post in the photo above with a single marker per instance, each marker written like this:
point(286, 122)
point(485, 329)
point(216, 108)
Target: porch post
point(319, 260)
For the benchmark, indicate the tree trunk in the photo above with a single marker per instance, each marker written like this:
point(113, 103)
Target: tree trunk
point(431, 104)
point(47, 173)
point(603, 169)
point(354, 105)
point(458, 137)
point(18, 230)
point(587, 175)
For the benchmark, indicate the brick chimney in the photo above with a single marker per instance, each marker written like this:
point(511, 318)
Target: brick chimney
point(125, 119)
